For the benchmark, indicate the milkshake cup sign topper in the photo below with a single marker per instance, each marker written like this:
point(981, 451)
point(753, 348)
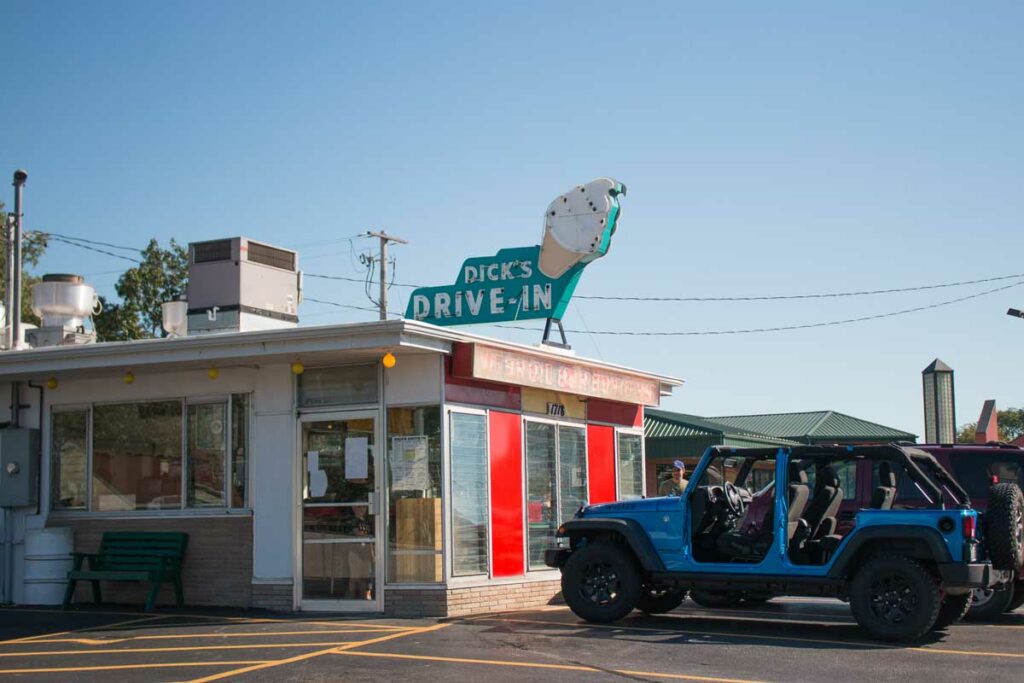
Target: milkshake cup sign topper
point(529, 282)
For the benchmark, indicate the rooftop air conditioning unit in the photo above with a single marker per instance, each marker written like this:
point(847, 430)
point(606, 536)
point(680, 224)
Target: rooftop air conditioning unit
point(238, 285)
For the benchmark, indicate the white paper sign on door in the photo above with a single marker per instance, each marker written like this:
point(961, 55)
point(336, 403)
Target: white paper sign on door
point(317, 477)
point(357, 457)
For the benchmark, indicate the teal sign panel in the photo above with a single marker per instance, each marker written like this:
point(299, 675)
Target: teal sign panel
point(529, 282)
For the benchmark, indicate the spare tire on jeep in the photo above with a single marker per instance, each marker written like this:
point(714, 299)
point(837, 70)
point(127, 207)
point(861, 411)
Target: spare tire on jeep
point(1004, 526)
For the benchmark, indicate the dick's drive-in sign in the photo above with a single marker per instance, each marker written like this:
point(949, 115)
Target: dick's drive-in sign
point(529, 282)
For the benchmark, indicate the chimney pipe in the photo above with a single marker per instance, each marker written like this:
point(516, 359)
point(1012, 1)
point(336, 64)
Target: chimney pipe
point(20, 176)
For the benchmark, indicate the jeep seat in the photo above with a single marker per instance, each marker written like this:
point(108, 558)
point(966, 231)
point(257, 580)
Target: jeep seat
point(799, 492)
point(828, 495)
point(885, 493)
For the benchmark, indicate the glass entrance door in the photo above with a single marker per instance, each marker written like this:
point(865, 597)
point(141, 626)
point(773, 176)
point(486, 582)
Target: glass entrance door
point(340, 511)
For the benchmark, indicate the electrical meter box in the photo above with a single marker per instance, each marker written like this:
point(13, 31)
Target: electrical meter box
point(19, 467)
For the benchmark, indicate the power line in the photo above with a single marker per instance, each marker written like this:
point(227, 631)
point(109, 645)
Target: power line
point(830, 323)
point(335, 303)
point(781, 297)
point(95, 249)
point(59, 236)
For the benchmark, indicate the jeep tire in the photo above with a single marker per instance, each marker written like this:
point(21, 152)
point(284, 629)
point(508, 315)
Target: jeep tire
point(660, 599)
point(1018, 597)
point(989, 603)
point(601, 582)
point(1004, 526)
point(895, 598)
point(953, 609)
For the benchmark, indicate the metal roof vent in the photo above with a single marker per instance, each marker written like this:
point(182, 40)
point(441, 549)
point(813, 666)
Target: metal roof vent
point(63, 303)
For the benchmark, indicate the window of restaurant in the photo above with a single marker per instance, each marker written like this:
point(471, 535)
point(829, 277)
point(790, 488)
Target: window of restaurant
point(158, 455)
point(339, 386)
point(414, 495)
point(556, 482)
point(630, 464)
point(470, 509)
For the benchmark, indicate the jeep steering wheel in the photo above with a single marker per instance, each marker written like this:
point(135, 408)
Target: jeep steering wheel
point(733, 500)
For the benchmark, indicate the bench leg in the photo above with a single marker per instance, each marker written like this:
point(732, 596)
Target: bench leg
point(69, 592)
point(97, 596)
point(151, 598)
point(179, 591)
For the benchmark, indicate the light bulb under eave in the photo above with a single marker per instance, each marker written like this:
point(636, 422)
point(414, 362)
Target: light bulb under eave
point(389, 360)
point(51, 383)
point(129, 377)
point(213, 373)
point(298, 368)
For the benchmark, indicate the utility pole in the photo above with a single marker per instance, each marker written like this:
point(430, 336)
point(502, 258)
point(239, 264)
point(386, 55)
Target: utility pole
point(8, 234)
point(14, 313)
point(383, 258)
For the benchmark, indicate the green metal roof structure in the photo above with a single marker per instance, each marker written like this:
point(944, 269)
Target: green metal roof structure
point(823, 426)
point(674, 435)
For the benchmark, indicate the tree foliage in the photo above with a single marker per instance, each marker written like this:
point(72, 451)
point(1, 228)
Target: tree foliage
point(1011, 425)
point(161, 276)
point(33, 246)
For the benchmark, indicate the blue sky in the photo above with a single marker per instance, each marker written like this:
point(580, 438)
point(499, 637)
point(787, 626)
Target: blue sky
point(768, 149)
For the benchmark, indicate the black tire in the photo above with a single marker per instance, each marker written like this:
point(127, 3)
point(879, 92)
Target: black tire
point(1004, 526)
point(989, 603)
point(715, 599)
point(660, 599)
point(1018, 597)
point(601, 582)
point(953, 609)
point(756, 598)
point(895, 598)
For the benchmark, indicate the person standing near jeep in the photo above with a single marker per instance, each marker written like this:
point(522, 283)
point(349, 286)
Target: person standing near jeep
point(676, 485)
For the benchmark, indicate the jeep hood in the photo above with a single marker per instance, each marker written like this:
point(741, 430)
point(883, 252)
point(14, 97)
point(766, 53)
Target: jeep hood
point(627, 506)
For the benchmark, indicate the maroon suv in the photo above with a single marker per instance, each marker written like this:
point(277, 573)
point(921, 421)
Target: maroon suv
point(976, 468)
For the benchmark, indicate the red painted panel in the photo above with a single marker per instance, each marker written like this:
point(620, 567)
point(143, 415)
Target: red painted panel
point(474, 392)
point(601, 463)
point(627, 414)
point(506, 454)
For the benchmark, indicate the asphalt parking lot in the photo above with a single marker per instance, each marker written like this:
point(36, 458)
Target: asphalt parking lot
point(784, 640)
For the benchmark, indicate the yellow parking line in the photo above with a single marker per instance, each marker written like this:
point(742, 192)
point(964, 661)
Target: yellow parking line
point(39, 638)
point(318, 653)
point(754, 636)
point(183, 636)
point(115, 667)
point(540, 665)
point(195, 648)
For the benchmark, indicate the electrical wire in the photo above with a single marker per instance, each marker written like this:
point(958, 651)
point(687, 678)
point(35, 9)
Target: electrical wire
point(87, 241)
point(781, 328)
point(780, 297)
point(95, 249)
point(336, 304)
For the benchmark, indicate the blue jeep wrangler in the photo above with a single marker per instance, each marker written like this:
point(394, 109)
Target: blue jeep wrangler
point(731, 536)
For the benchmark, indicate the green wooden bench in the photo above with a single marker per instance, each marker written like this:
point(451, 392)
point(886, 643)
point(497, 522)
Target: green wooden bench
point(145, 557)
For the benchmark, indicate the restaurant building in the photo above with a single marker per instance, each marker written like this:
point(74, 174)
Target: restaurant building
point(394, 466)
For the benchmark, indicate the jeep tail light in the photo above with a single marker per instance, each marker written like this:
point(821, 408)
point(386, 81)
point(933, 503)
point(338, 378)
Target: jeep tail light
point(970, 525)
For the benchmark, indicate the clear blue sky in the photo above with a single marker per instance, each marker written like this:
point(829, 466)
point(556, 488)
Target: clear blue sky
point(768, 149)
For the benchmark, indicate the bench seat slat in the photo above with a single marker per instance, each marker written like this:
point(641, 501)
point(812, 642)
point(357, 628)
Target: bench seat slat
point(107, 575)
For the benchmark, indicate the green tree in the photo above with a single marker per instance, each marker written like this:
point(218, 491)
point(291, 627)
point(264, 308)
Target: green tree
point(1011, 425)
point(33, 246)
point(161, 276)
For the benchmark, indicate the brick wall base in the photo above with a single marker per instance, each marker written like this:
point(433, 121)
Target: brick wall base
point(273, 596)
point(217, 570)
point(454, 602)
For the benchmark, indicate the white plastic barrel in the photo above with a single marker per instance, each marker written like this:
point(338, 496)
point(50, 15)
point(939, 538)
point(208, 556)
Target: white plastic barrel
point(47, 563)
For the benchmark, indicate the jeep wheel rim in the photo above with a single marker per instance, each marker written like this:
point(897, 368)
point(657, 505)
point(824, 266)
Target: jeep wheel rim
point(893, 599)
point(981, 597)
point(599, 584)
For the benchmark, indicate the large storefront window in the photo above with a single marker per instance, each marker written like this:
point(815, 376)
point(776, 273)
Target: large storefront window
point(414, 495)
point(556, 483)
point(631, 465)
point(157, 455)
point(70, 448)
point(136, 463)
point(469, 494)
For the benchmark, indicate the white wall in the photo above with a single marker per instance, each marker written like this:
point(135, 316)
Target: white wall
point(415, 380)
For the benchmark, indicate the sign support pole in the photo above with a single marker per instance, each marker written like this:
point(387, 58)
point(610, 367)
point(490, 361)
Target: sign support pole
point(561, 332)
point(384, 239)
